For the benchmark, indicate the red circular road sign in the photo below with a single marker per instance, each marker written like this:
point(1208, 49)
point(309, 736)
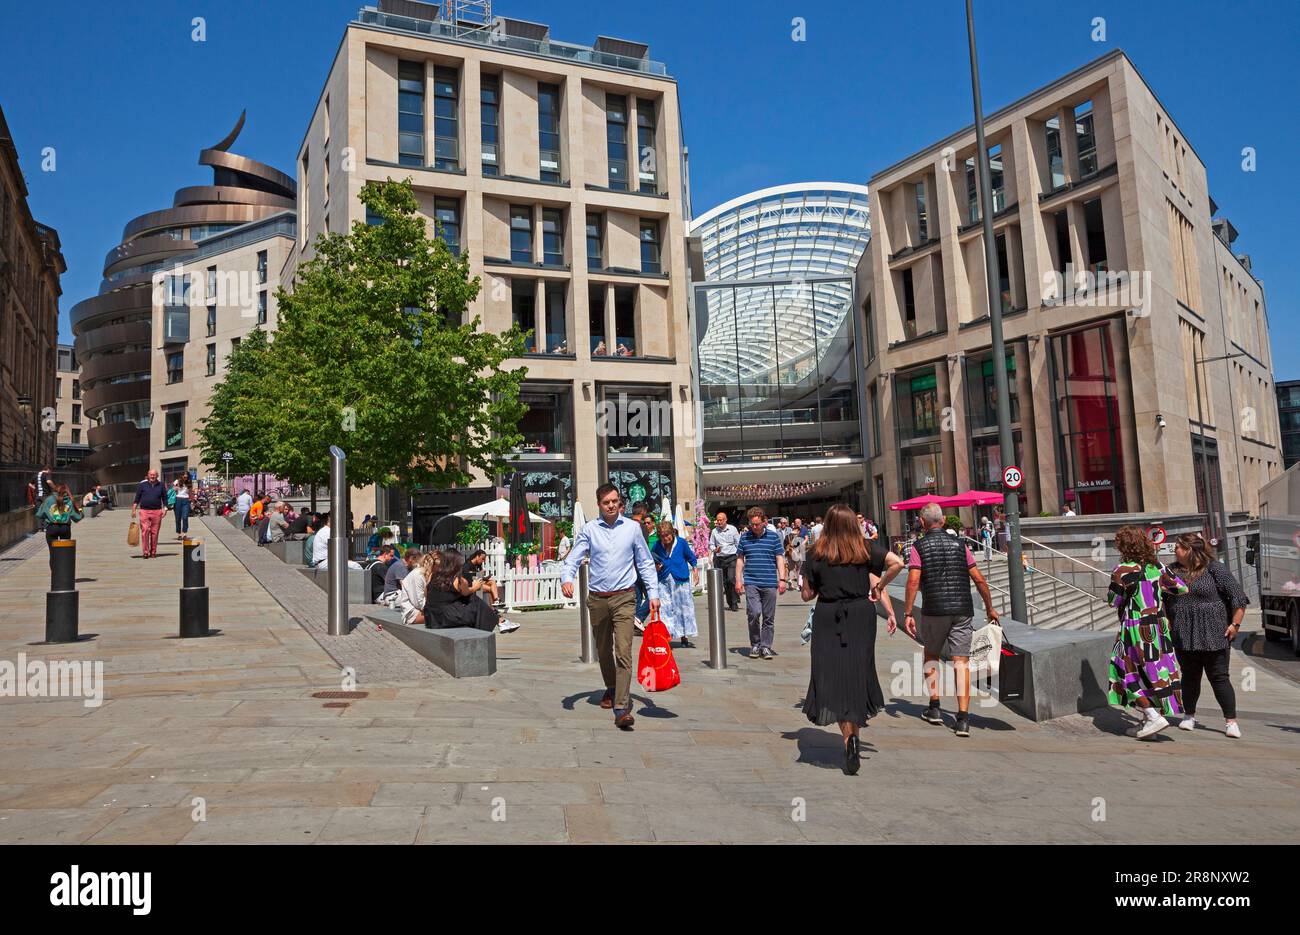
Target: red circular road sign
point(1013, 477)
point(1156, 534)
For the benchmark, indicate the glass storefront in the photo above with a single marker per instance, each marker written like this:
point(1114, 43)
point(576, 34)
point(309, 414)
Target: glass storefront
point(546, 453)
point(777, 372)
point(637, 425)
point(1089, 442)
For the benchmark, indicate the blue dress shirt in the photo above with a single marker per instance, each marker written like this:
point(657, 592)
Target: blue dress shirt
point(616, 552)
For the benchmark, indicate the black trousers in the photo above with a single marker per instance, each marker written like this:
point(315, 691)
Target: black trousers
point(728, 565)
point(55, 531)
point(1214, 664)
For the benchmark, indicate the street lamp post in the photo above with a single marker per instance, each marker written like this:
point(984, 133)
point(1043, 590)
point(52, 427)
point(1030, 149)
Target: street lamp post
point(1205, 459)
point(1015, 570)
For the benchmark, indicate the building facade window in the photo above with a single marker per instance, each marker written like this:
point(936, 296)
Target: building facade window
point(922, 214)
point(1055, 159)
point(212, 360)
point(212, 281)
point(596, 320)
point(552, 237)
point(446, 118)
point(175, 367)
point(595, 241)
point(1089, 442)
point(76, 436)
point(521, 234)
point(261, 307)
point(547, 425)
point(1085, 139)
point(76, 415)
point(639, 452)
point(490, 118)
point(869, 322)
point(997, 181)
point(972, 192)
point(523, 311)
point(174, 428)
point(650, 259)
point(909, 305)
point(625, 343)
point(261, 266)
point(616, 136)
point(646, 153)
point(410, 114)
point(447, 213)
point(1095, 236)
point(212, 320)
point(548, 132)
point(557, 318)
point(918, 404)
point(76, 389)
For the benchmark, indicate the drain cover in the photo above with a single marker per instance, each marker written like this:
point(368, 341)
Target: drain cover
point(339, 694)
point(337, 704)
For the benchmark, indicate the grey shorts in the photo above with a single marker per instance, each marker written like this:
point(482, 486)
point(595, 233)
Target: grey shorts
point(946, 635)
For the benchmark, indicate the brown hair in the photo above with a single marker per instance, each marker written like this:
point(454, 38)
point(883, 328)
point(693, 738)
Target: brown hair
point(1201, 554)
point(841, 541)
point(1134, 545)
point(449, 565)
point(756, 511)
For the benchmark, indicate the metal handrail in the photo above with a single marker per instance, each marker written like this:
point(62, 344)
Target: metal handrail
point(1039, 545)
point(1095, 604)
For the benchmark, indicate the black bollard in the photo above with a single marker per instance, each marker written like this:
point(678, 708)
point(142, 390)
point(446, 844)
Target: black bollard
point(194, 591)
point(61, 601)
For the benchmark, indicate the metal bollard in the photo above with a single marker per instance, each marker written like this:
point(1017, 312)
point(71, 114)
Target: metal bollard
point(338, 544)
point(584, 615)
point(717, 621)
point(61, 601)
point(194, 591)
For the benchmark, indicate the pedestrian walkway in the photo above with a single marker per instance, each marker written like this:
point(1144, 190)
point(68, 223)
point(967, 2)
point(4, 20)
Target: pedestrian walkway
point(221, 740)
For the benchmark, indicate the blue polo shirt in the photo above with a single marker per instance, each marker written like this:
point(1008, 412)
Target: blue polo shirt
point(760, 554)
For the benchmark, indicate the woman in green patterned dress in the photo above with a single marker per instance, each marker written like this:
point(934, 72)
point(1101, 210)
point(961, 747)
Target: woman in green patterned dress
point(1143, 666)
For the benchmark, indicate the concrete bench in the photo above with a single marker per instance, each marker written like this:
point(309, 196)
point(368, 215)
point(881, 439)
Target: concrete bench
point(288, 551)
point(235, 519)
point(99, 506)
point(1067, 670)
point(358, 583)
point(462, 652)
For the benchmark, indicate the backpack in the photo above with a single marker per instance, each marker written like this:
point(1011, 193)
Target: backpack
point(264, 531)
point(171, 497)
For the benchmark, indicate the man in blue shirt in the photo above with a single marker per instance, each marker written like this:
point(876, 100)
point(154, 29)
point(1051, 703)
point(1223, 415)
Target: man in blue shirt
point(760, 576)
point(617, 554)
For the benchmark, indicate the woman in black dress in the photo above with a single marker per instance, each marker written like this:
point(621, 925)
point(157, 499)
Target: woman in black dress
point(1205, 622)
point(451, 599)
point(840, 572)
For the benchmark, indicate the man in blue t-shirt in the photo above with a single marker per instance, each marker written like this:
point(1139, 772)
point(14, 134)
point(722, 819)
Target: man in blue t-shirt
point(760, 576)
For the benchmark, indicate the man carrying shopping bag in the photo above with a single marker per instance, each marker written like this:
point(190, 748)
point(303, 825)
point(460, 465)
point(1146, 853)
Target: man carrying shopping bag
point(618, 556)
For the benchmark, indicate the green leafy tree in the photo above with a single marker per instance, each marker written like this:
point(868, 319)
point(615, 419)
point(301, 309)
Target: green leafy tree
point(373, 354)
point(237, 418)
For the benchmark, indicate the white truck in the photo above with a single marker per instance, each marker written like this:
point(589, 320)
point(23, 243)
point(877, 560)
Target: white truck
point(1277, 557)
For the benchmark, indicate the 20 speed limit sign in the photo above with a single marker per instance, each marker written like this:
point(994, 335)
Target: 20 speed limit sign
point(1013, 477)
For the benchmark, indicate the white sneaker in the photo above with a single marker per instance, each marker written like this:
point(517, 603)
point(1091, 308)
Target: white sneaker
point(507, 626)
point(1232, 730)
point(1155, 723)
point(1187, 723)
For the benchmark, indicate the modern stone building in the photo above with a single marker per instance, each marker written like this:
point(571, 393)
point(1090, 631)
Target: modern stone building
point(145, 309)
point(559, 169)
point(1137, 341)
point(72, 447)
point(230, 278)
point(31, 262)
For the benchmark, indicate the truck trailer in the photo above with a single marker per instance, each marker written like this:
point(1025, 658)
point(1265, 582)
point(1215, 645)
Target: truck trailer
point(1277, 557)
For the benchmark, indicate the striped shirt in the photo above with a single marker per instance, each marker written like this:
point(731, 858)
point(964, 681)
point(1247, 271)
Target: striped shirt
point(760, 555)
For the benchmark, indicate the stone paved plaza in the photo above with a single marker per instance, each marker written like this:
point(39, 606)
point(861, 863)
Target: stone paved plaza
point(228, 726)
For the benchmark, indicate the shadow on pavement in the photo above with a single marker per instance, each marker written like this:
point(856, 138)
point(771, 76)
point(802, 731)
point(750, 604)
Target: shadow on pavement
point(823, 749)
point(899, 707)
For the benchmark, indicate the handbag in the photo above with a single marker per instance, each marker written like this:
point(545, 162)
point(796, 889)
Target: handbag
point(133, 534)
point(1011, 672)
point(657, 669)
point(986, 649)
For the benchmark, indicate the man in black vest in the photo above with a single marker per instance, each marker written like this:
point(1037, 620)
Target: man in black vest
point(942, 567)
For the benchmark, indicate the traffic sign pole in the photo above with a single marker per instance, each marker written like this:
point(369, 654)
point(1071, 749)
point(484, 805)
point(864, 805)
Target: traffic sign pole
point(1015, 570)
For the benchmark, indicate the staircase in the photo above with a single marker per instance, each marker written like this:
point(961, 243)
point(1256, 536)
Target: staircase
point(1054, 604)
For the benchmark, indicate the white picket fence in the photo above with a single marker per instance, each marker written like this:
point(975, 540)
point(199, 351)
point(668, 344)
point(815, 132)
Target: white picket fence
point(539, 587)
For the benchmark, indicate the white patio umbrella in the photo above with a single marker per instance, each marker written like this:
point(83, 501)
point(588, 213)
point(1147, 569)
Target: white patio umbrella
point(665, 509)
point(497, 509)
point(679, 521)
point(579, 518)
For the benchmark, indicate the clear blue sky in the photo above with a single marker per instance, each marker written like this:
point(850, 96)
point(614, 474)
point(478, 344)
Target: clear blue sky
point(127, 99)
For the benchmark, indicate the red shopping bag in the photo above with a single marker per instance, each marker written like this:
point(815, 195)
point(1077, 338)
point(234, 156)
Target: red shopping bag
point(656, 669)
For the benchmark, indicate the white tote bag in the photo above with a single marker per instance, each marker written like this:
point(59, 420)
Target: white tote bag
point(986, 649)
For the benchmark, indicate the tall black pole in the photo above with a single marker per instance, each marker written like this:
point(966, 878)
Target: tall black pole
point(1015, 571)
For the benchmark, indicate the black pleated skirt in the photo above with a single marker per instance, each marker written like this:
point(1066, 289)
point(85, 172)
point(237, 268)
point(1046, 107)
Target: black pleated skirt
point(843, 685)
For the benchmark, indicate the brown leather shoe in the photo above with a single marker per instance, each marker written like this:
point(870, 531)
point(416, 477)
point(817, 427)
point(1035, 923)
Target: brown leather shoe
point(625, 720)
point(608, 701)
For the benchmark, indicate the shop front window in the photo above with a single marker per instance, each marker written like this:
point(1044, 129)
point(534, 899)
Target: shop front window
point(1090, 450)
point(918, 404)
point(982, 392)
